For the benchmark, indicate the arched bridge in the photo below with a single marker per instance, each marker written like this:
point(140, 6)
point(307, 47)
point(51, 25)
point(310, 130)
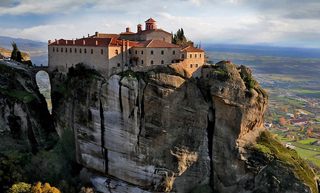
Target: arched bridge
point(36, 69)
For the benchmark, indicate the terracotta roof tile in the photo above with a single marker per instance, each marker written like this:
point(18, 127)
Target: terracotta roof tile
point(191, 49)
point(152, 30)
point(114, 36)
point(155, 44)
point(150, 20)
point(127, 33)
point(100, 42)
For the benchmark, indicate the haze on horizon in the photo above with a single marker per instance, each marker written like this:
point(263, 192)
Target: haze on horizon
point(280, 23)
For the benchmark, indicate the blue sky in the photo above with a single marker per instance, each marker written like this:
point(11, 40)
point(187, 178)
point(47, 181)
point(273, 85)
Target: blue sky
point(276, 22)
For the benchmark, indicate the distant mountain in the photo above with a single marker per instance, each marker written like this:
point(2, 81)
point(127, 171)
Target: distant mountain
point(23, 44)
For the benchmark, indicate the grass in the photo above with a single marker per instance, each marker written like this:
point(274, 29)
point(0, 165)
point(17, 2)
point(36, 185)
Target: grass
point(303, 153)
point(307, 141)
point(290, 159)
point(315, 160)
point(21, 95)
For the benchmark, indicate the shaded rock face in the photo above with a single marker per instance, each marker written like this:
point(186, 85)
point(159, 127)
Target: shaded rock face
point(26, 124)
point(161, 130)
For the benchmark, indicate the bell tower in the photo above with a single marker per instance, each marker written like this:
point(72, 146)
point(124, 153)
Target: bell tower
point(151, 24)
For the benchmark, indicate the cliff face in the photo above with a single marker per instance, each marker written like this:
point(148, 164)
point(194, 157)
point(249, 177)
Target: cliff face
point(25, 122)
point(161, 130)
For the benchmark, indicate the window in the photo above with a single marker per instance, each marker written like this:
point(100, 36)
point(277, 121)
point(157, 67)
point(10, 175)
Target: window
point(162, 62)
point(151, 62)
point(151, 52)
point(173, 52)
point(141, 52)
point(141, 61)
point(136, 52)
point(130, 61)
point(162, 52)
point(57, 49)
point(75, 50)
point(85, 50)
point(129, 51)
point(66, 65)
point(117, 52)
point(190, 65)
point(172, 61)
point(118, 64)
point(182, 56)
point(61, 49)
point(200, 55)
point(66, 49)
point(101, 51)
point(70, 50)
point(80, 51)
point(53, 49)
point(190, 55)
point(195, 56)
point(196, 65)
point(91, 51)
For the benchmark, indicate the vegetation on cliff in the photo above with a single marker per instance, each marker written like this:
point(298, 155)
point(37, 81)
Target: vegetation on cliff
point(269, 152)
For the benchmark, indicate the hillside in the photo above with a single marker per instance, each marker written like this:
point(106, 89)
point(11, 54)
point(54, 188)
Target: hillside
point(7, 53)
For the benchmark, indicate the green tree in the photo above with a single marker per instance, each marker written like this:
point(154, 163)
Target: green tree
point(19, 56)
point(20, 187)
point(14, 53)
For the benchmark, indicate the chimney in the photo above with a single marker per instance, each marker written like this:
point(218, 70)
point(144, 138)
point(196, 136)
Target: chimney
point(192, 44)
point(83, 37)
point(97, 34)
point(76, 38)
point(128, 29)
point(139, 28)
point(49, 41)
point(57, 41)
point(84, 42)
point(96, 42)
point(73, 42)
point(66, 41)
point(88, 35)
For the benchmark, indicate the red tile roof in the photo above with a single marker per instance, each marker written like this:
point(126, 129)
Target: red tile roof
point(191, 49)
point(155, 44)
point(298, 120)
point(150, 20)
point(100, 42)
point(152, 30)
point(114, 36)
point(127, 33)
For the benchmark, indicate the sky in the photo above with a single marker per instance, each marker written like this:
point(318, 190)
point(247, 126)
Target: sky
point(293, 23)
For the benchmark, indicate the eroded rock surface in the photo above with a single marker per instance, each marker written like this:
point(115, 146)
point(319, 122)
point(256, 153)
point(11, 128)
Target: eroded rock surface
point(161, 130)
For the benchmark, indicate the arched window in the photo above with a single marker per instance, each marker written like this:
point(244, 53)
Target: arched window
point(136, 52)
point(172, 61)
point(141, 52)
point(118, 64)
point(162, 52)
point(66, 49)
point(141, 61)
point(196, 65)
point(182, 56)
point(70, 50)
point(80, 51)
point(195, 56)
point(91, 51)
point(117, 52)
point(151, 52)
point(200, 55)
point(75, 50)
point(53, 49)
point(129, 51)
point(101, 51)
point(190, 55)
point(130, 61)
point(85, 50)
point(190, 65)
point(162, 62)
point(151, 62)
point(174, 52)
point(61, 49)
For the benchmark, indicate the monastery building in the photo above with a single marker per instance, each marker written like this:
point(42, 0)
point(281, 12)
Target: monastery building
point(105, 52)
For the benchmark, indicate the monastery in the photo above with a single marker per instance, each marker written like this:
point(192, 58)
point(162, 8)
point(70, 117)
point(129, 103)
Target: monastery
point(105, 52)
